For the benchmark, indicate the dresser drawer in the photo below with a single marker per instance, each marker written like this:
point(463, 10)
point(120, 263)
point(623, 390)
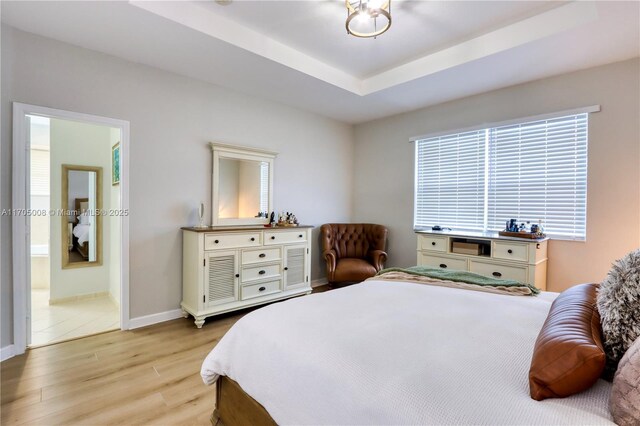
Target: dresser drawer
point(518, 273)
point(260, 272)
point(284, 237)
point(226, 241)
point(443, 262)
point(433, 243)
point(262, 289)
point(511, 251)
point(260, 256)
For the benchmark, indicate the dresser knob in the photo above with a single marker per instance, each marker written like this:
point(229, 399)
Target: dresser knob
point(253, 239)
point(286, 268)
point(442, 265)
point(262, 272)
point(300, 236)
point(262, 289)
point(509, 251)
point(261, 255)
point(237, 275)
point(433, 243)
point(497, 274)
point(273, 237)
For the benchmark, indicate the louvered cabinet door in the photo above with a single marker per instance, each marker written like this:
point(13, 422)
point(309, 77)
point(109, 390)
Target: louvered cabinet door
point(295, 266)
point(220, 278)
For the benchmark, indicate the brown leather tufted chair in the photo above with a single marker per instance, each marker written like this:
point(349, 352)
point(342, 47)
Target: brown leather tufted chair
point(353, 251)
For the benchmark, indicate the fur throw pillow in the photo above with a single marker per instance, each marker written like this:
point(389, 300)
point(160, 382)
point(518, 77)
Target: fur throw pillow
point(619, 307)
point(625, 392)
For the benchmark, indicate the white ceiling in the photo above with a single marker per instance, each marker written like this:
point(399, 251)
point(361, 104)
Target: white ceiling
point(298, 52)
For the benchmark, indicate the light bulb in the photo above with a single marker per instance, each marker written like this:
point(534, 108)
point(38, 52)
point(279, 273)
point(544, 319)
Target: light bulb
point(362, 17)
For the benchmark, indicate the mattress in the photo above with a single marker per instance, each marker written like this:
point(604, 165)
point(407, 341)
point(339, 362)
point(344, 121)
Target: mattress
point(385, 352)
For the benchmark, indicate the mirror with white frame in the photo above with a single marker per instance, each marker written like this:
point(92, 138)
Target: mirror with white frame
point(242, 185)
point(81, 224)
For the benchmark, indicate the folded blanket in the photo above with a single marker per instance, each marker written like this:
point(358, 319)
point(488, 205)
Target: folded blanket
point(458, 279)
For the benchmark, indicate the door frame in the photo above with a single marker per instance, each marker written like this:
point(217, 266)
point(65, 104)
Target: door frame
point(20, 222)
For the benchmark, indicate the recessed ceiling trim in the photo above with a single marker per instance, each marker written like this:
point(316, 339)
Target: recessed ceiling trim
point(528, 30)
point(206, 21)
point(201, 19)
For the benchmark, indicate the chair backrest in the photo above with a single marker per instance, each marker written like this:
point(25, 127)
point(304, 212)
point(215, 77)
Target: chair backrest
point(353, 239)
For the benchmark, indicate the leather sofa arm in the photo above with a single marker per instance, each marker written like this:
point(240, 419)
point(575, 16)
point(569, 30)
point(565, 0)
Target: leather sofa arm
point(330, 256)
point(377, 258)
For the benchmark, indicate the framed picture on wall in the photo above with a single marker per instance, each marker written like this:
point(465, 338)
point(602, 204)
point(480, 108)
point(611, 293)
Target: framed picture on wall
point(115, 164)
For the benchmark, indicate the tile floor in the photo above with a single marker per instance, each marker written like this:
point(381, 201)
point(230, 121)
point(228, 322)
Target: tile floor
point(54, 323)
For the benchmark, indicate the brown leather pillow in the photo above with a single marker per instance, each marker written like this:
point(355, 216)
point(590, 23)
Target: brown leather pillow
point(568, 356)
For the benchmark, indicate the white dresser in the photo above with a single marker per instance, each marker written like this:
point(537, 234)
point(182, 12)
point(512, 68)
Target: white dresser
point(499, 257)
point(230, 268)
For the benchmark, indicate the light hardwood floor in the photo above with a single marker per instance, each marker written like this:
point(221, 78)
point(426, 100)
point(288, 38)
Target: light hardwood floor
point(146, 376)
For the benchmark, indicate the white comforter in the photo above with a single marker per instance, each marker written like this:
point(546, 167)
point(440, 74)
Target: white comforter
point(397, 353)
point(83, 232)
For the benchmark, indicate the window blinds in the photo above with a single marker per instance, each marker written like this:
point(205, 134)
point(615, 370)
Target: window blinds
point(264, 187)
point(450, 181)
point(538, 171)
point(530, 171)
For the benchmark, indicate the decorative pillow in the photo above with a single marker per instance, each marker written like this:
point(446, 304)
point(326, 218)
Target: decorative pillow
point(568, 356)
point(619, 306)
point(625, 392)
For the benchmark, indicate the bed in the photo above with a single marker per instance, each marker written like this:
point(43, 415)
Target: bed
point(385, 352)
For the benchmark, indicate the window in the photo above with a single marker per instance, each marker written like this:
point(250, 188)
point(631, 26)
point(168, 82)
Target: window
point(478, 180)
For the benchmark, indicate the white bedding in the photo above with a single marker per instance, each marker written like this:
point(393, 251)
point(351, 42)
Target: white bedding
point(397, 353)
point(83, 232)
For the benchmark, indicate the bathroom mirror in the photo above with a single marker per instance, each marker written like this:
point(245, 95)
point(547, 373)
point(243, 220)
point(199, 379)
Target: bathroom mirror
point(81, 205)
point(242, 185)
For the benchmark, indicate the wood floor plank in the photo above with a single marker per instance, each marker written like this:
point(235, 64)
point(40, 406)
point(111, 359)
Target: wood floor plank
point(145, 376)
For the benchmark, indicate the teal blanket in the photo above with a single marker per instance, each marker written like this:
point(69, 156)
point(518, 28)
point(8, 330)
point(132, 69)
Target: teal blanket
point(459, 276)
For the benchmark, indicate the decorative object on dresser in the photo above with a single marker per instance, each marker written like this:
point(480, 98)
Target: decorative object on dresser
point(498, 257)
point(230, 268)
point(353, 251)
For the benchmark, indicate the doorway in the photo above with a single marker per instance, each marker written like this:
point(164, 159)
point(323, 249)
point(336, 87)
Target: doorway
point(70, 275)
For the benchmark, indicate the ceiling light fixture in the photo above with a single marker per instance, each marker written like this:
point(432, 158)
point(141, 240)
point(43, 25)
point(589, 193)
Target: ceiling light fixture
point(367, 13)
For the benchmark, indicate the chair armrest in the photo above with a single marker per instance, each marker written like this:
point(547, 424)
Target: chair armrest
point(330, 256)
point(377, 258)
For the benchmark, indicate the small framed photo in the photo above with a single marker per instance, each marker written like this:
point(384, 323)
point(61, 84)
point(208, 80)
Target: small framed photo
point(115, 164)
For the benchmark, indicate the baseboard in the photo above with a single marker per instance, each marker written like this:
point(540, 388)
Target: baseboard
point(154, 318)
point(319, 282)
point(7, 352)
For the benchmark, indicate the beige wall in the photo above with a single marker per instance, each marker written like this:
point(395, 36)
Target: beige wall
point(172, 120)
point(78, 144)
point(384, 164)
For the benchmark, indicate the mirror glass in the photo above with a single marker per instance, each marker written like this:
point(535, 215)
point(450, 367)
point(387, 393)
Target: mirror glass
point(81, 224)
point(243, 188)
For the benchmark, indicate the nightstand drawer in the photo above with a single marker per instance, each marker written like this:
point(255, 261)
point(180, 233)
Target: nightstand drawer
point(226, 241)
point(443, 262)
point(260, 272)
point(260, 256)
point(433, 243)
point(499, 271)
point(511, 251)
point(284, 237)
point(262, 289)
